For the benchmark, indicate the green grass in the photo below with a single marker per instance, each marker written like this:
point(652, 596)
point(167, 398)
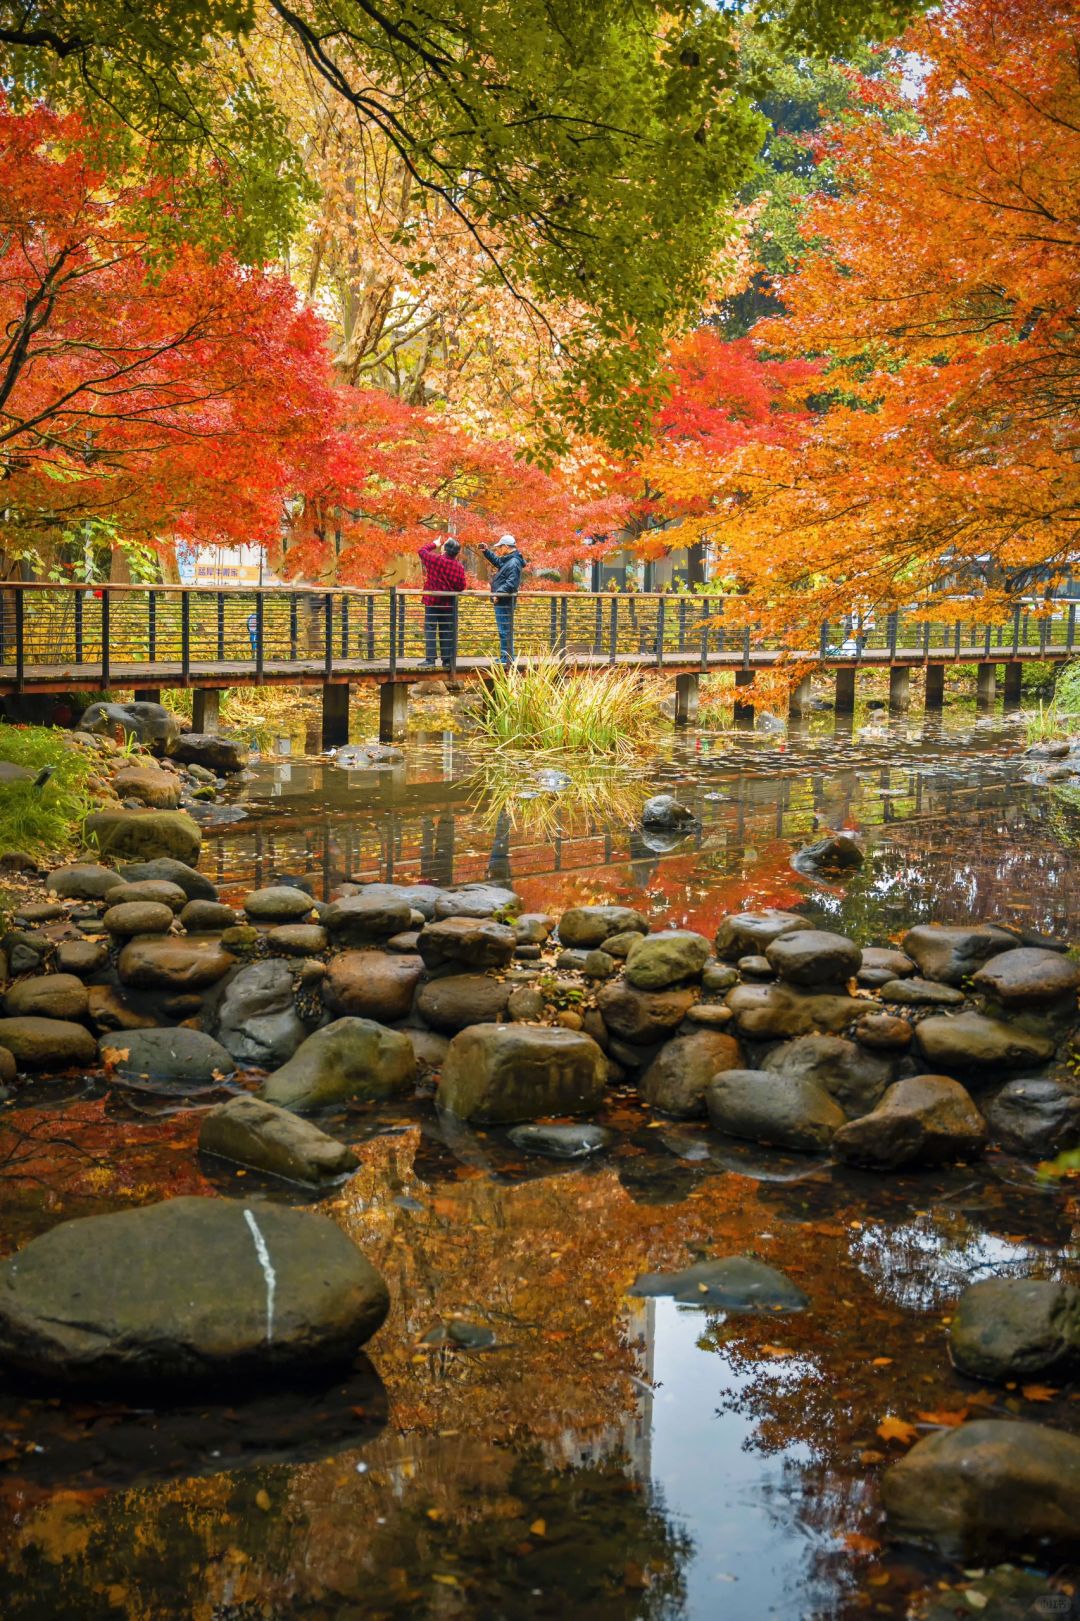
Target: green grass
point(544, 708)
point(43, 821)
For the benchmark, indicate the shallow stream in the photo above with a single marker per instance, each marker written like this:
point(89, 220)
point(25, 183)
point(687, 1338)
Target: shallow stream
point(528, 1440)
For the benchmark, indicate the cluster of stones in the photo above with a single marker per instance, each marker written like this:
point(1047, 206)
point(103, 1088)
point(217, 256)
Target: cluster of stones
point(777, 1032)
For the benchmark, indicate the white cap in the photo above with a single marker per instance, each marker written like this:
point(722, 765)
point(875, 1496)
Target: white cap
point(506, 540)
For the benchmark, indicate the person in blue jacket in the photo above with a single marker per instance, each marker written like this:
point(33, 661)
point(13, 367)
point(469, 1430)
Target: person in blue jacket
point(509, 566)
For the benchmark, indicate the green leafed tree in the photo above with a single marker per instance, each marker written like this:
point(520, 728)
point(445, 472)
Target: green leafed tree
point(593, 147)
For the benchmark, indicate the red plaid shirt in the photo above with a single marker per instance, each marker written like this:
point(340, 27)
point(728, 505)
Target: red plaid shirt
point(441, 574)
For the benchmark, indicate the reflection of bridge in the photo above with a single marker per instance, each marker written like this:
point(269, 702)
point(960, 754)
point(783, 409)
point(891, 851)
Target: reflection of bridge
point(53, 638)
point(381, 826)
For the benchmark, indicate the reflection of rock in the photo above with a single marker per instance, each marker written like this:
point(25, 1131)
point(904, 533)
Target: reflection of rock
point(735, 1283)
point(187, 1290)
point(838, 853)
point(992, 1487)
point(1013, 1328)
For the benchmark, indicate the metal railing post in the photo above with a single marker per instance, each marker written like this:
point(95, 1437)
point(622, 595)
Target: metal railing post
point(1071, 633)
point(344, 627)
point(455, 621)
point(393, 631)
point(893, 631)
point(564, 621)
point(79, 628)
point(151, 625)
point(1016, 631)
point(260, 618)
point(746, 648)
point(185, 636)
point(104, 636)
point(221, 626)
point(328, 633)
point(613, 632)
point(371, 626)
point(20, 644)
point(294, 626)
point(660, 608)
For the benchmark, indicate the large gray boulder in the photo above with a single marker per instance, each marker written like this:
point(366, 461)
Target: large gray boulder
point(671, 958)
point(676, 1080)
point(172, 963)
point(1029, 977)
point(172, 1053)
point(257, 1020)
point(249, 1131)
point(143, 835)
point(372, 984)
point(351, 1059)
point(953, 955)
point(924, 1120)
point(1035, 1115)
point(780, 1012)
point(360, 920)
point(664, 811)
point(985, 1049)
point(478, 900)
point(151, 724)
point(783, 1111)
point(586, 927)
point(48, 1044)
point(52, 996)
point(459, 1000)
point(994, 1487)
point(196, 885)
point(191, 1290)
point(221, 755)
point(1015, 1328)
point(812, 957)
point(854, 1077)
point(466, 942)
point(747, 934)
point(503, 1073)
point(642, 1017)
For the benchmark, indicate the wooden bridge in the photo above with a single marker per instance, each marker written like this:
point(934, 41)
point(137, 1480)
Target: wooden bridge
point(58, 638)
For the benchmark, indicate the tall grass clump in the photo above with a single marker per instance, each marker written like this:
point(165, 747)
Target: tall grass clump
point(548, 709)
point(45, 820)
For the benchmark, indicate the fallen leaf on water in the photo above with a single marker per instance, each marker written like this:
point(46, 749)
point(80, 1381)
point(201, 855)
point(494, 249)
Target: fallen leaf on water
point(445, 1579)
point(870, 1456)
point(977, 1600)
point(882, 1362)
point(1039, 1392)
point(947, 1419)
point(859, 1543)
point(892, 1428)
point(538, 1528)
point(983, 1398)
point(262, 1500)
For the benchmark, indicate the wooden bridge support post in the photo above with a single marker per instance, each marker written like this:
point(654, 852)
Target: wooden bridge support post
point(147, 695)
point(935, 686)
point(393, 710)
point(799, 702)
point(335, 714)
point(744, 712)
point(845, 689)
point(686, 699)
point(899, 688)
point(1013, 672)
point(986, 686)
point(206, 709)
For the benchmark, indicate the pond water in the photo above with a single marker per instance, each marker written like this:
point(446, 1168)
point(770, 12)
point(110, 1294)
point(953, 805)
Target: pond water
point(528, 1439)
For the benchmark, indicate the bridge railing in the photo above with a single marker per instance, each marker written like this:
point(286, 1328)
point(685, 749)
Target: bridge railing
point(88, 631)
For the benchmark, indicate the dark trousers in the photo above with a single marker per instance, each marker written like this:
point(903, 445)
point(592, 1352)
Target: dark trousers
point(504, 624)
point(439, 633)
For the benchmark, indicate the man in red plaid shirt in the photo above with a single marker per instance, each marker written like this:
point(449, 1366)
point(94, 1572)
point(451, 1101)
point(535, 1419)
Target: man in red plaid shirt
point(444, 577)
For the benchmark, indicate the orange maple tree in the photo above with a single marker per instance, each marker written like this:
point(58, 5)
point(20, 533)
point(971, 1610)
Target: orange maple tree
point(942, 290)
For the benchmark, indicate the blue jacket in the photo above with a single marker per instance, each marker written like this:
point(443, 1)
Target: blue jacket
point(506, 581)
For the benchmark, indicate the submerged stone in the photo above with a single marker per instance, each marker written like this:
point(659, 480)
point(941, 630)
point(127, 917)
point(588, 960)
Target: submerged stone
point(736, 1283)
point(174, 1053)
point(250, 1131)
point(1015, 1328)
point(560, 1142)
point(1037, 1115)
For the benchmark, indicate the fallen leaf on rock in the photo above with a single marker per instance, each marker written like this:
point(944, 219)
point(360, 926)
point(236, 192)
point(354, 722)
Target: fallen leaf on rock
point(948, 1419)
point(1039, 1392)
